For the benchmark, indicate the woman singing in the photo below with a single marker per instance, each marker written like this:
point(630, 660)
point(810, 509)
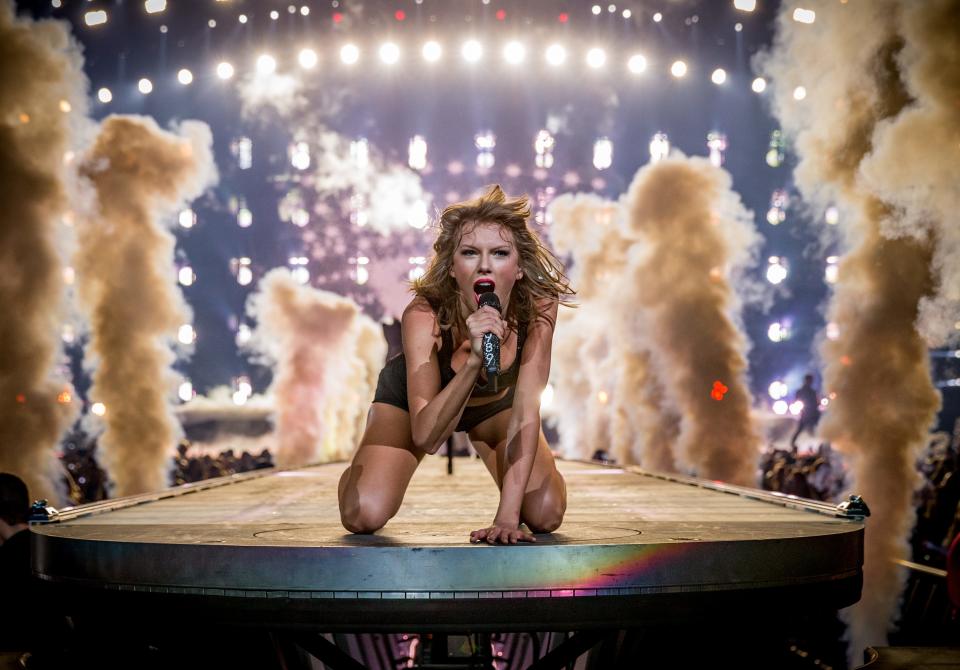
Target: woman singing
point(438, 385)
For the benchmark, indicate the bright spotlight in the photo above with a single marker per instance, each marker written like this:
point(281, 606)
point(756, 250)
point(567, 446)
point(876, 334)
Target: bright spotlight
point(472, 51)
point(98, 408)
point(224, 70)
point(349, 54)
point(778, 332)
point(556, 55)
point(776, 270)
point(637, 63)
point(719, 76)
point(759, 85)
point(95, 18)
point(307, 58)
point(514, 53)
point(659, 147)
point(602, 153)
point(596, 57)
point(185, 392)
point(145, 85)
point(801, 15)
point(389, 53)
point(658, 17)
point(266, 64)
point(185, 76)
point(187, 218)
point(417, 158)
point(778, 390)
point(185, 276)
point(155, 6)
point(745, 5)
point(186, 334)
point(678, 69)
point(104, 95)
point(596, 9)
point(799, 93)
point(432, 51)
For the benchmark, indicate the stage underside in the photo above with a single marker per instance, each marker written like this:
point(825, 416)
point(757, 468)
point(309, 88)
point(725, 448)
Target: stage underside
point(633, 548)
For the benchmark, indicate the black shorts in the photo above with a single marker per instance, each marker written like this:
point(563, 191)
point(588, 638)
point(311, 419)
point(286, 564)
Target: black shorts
point(392, 390)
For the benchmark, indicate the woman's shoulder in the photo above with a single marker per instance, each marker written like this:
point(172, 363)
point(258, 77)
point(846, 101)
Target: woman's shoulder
point(419, 305)
point(420, 315)
point(545, 312)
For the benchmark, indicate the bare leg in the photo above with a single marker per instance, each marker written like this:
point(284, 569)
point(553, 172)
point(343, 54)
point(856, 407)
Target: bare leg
point(545, 500)
point(372, 488)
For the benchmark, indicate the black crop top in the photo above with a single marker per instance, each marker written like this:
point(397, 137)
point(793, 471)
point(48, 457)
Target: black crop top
point(506, 377)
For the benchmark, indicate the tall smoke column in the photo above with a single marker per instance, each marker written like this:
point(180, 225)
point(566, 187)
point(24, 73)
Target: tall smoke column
point(126, 285)
point(646, 424)
point(42, 94)
point(880, 136)
point(323, 351)
point(583, 372)
point(601, 348)
point(346, 414)
point(696, 234)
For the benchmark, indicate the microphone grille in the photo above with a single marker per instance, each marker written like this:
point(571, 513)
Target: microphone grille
point(490, 298)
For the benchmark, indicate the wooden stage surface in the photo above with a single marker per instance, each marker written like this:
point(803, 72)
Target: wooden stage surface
point(632, 546)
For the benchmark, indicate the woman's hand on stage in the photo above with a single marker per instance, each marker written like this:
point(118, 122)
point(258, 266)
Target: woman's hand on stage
point(500, 533)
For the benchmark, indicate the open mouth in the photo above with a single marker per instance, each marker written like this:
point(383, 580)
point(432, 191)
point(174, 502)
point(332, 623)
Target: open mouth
point(482, 286)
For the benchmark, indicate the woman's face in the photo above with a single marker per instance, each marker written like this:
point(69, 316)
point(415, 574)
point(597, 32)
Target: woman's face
point(486, 251)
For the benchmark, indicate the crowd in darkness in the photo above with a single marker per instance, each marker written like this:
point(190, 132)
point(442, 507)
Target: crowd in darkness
point(822, 475)
point(86, 481)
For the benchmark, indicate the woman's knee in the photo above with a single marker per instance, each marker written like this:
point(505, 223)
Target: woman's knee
point(364, 516)
point(363, 521)
point(547, 513)
point(547, 521)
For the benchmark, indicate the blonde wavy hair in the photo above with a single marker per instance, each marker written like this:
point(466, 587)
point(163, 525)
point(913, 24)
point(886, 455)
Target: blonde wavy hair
point(543, 276)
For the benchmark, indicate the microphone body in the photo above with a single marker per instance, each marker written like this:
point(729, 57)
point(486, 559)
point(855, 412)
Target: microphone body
point(491, 343)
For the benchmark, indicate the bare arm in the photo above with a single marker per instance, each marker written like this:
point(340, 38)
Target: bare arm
point(435, 412)
point(523, 431)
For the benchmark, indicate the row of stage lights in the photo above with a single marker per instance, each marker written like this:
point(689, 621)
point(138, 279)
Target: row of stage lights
point(97, 17)
point(472, 51)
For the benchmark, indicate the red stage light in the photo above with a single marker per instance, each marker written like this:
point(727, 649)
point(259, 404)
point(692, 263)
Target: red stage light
point(564, 17)
point(719, 390)
point(337, 17)
point(399, 15)
point(501, 14)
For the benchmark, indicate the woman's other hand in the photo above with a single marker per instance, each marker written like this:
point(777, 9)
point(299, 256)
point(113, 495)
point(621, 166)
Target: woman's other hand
point(499, 533)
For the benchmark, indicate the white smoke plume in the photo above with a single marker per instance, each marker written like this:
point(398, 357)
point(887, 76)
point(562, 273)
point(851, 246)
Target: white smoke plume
point(657, 312)
point(878, 133)
point(126, 287)
point(585, 368)
point(325, 356)
point(385, 196)
point(42, 102)
point(282, 92)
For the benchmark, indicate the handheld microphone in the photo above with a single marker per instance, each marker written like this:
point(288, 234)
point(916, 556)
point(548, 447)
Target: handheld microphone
point(491, 343)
